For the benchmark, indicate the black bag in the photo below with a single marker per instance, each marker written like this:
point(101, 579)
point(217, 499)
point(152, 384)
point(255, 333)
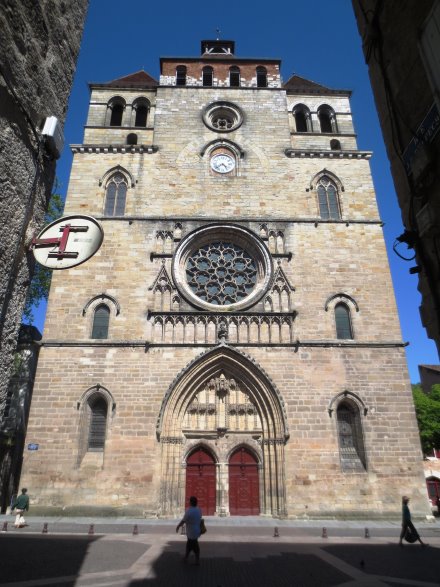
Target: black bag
point(202, 527)
point(410, 535)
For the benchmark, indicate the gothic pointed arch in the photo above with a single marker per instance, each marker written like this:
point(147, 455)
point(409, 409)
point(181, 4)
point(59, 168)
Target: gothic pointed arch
point(222, 385)
point(162, 280)
point(102, 308)
point(349, 410)
point(344, 395)
point(332, 176)
point(117, 169)
point(96, 407)
point(261, 388)
point(103, 297)
point(281, 290)
point(340, 297)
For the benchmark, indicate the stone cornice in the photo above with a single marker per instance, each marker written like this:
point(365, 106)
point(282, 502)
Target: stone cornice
point(326, 154)
point(266, 219)
point(352, 344)
point(122, 148)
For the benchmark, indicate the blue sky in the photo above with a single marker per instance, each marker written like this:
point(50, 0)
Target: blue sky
point(316, 39)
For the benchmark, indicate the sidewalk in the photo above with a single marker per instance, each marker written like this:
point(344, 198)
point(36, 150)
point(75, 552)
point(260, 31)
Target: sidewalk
point(260, 526)
point(236, 551)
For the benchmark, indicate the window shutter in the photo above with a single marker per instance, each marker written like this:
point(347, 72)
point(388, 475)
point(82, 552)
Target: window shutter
point(98, 424)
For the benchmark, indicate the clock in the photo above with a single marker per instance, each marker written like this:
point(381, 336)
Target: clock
point(222, 163)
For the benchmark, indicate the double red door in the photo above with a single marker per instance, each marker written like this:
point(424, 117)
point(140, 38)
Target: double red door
point(244, 496)
point(200, 480)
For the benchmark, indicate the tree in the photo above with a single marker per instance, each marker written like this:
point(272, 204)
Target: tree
point(39, 287)
point(428, 416)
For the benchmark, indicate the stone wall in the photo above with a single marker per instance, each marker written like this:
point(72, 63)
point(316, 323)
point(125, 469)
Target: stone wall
point(404, 78)
point(39, 46)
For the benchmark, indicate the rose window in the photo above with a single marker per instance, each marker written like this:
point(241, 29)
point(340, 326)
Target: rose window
point(222, 268)
point(221, 273)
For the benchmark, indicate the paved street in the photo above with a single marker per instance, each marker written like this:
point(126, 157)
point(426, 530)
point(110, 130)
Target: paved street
point(235, 551)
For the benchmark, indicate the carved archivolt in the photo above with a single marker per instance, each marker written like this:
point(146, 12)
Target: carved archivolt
point(223, 369)
point(221, 405)
point(222, 400)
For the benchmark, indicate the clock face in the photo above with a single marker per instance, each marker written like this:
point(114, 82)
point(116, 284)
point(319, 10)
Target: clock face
point(222, 163)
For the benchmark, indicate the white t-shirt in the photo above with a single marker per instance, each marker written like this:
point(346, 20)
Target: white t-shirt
point(192, 518)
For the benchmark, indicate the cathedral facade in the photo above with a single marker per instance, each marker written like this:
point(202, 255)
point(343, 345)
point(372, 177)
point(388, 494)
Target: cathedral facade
point(236, 336)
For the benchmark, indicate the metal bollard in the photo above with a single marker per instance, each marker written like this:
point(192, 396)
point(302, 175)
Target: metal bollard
point(367, 533)
point(276, 534)
point(45, 530)
point(5, 527)
point(91, 529)
point(135, 530)
point(324, 533)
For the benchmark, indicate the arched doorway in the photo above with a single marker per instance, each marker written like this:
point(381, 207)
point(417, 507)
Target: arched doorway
point(225, 401)
point(433, 486)
point(200, 480)
point(244, 489)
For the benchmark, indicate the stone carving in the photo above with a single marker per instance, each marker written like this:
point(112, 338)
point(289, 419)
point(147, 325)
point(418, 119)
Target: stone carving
point(221, 406)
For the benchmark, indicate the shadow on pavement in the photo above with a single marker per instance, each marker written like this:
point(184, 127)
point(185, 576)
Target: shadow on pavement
point(25, 557)
point(412, 562)
point(270, 569)
point(272, 565)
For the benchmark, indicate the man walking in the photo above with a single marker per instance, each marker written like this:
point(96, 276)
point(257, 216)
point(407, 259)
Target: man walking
point(192, 518)
point(21, 506)
point(407, 523)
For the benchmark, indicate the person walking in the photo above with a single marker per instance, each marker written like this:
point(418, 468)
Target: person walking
point(407, 523)
point(192, 519)
point(21, 506)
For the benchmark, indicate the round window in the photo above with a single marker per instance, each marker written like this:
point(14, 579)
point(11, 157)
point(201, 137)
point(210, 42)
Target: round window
point(222, 268)
point(222, 117)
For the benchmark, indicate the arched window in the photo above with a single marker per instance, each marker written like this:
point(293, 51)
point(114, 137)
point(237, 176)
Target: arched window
point(181, 75)
point(327, 119)
point(335, 145)
point(234, 77)
point(116, 116)
point(303, 122)
point(207, 76)
point(97, 408)
point(328, 199)
point(132, 138)
point(261, 77)
point(141, 115)
point(101, 320)
point(351, 442)
point(343, 322)
point(115, 197)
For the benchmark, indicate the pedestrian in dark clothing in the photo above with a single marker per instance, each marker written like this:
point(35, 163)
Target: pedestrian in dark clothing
point(407, 523)
point(192, 519)
point(21, 506)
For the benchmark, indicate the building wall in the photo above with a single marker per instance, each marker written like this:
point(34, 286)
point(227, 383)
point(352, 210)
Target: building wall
point(164, 356)
point(37, 64)
point(404, 80)
point(36, 76)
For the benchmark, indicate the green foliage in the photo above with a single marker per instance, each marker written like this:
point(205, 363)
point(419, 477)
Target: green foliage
point(428, 416)
point(39, 287)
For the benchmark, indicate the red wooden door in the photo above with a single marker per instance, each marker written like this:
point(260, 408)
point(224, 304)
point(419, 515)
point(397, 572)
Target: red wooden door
point(200, 480)
point(244, 494)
